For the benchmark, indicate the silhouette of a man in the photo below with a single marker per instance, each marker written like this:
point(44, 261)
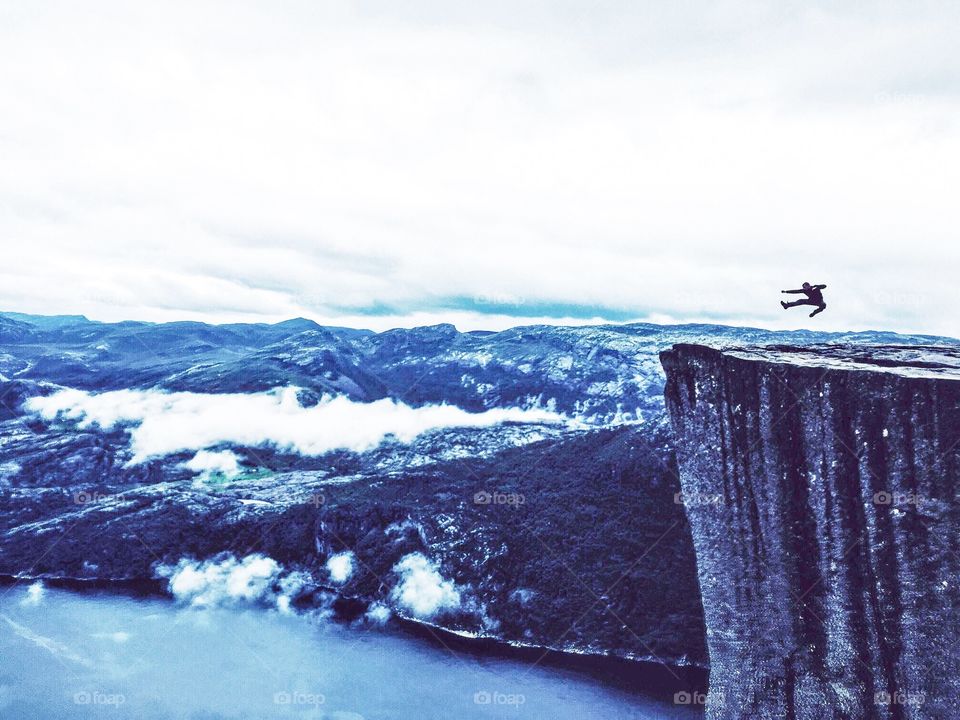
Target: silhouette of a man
point(814, 297)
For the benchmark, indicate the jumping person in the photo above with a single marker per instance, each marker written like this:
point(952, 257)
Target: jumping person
point(814, 297)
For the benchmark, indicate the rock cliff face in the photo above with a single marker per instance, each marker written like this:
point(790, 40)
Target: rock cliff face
point(821, 487)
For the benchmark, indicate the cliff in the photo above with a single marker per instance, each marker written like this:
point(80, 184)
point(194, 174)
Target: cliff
point(821, 486)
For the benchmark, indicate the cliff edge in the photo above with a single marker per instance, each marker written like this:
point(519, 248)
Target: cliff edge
point(821, 486)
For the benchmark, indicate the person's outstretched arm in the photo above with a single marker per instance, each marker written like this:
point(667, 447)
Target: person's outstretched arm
point(819, 287)
point(793, 292)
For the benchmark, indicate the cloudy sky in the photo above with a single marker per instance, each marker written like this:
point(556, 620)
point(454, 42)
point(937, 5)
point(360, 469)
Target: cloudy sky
point(376, 163)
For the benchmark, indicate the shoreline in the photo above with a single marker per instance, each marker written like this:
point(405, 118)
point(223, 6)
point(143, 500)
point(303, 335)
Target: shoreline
point(650, 678)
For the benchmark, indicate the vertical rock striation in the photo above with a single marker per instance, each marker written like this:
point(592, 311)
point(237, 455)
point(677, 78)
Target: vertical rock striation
point(821, 485)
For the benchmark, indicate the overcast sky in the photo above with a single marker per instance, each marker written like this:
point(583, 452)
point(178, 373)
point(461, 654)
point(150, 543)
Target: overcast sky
point(383, 163)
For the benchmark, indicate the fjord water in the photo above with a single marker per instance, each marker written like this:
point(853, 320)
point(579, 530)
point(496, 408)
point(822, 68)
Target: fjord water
point(98, 655)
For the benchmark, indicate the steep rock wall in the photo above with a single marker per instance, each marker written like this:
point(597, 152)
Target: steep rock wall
point(821, 487)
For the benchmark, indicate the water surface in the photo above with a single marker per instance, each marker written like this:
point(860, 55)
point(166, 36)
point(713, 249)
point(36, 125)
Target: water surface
point(101, 655)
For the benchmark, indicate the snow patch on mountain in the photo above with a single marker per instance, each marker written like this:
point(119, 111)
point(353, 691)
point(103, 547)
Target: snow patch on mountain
point(8, 470)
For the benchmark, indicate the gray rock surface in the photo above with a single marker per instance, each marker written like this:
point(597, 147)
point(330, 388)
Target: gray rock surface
point(821, 488)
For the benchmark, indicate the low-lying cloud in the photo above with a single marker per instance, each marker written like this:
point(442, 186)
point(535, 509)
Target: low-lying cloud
point(162, 423)
point(422, 589)
point(340, 567)
point(225, 581)
point(34, 596)
point(206, 464)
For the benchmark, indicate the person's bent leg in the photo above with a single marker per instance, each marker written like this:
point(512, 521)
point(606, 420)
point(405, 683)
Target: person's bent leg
point(820, 309)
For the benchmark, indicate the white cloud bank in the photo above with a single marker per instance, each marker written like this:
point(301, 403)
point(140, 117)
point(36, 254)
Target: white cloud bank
point(164, 423)
point(422, 589)
point(224, 580)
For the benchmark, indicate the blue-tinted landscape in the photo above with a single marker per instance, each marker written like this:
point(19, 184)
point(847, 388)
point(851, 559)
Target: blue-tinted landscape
point(521, 495)
point(447, 360)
